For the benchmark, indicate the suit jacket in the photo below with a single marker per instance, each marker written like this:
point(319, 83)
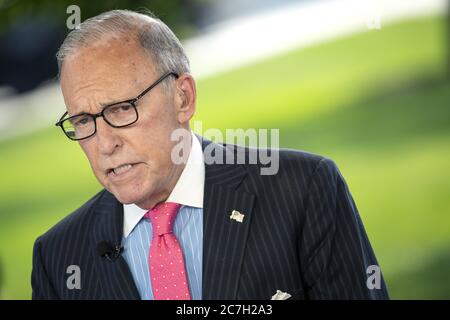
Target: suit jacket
point(301, 234)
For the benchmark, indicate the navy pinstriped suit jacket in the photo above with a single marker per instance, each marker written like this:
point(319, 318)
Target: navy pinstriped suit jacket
point(301, 234)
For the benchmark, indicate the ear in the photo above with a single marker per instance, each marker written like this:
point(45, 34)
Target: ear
point(185, 96)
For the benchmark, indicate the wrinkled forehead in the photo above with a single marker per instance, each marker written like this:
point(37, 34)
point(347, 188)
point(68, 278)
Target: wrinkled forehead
point(109, 59)
point(107, 71)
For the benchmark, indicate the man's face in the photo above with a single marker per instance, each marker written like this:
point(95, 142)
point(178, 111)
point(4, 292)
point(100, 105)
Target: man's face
point(134, 162)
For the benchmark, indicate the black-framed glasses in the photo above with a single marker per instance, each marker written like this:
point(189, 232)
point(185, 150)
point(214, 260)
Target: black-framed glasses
point(117, 115)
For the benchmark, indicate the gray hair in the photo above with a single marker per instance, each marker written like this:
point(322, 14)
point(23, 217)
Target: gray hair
point(152, 34)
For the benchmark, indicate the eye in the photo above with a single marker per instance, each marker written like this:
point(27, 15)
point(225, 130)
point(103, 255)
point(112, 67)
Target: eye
point(120, 108)
point(81, 121)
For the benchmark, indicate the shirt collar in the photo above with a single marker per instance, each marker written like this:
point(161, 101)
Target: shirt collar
point(188, 190)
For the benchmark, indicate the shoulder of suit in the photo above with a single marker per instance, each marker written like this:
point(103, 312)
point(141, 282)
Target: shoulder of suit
point(307, 160)
point(291, 161)
point(80, 218)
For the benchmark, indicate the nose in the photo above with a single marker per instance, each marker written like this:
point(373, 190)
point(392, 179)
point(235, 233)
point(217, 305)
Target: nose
point(108, 138)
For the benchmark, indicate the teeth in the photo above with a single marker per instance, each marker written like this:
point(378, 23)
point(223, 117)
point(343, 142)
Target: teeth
point(122, 169)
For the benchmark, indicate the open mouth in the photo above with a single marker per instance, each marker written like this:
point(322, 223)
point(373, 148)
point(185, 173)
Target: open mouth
point(122, 169)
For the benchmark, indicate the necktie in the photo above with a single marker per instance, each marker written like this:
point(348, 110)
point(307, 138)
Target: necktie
point(166, 262)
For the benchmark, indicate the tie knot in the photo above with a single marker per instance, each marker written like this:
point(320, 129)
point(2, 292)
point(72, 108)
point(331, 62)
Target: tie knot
point(162, 217)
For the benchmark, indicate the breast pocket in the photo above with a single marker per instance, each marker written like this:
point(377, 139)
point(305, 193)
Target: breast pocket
point(292, 294)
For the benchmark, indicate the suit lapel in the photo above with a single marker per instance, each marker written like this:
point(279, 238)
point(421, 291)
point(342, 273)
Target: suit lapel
point(115, 277)
point(224, 239)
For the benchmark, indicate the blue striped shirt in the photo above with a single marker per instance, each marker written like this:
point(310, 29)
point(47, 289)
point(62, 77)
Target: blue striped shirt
point(188, 229)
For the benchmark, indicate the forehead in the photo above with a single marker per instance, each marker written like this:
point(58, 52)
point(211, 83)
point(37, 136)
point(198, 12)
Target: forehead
point(112, 58)
point(106, 71)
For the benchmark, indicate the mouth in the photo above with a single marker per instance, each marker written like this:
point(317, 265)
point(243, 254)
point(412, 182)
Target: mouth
point(120, 170)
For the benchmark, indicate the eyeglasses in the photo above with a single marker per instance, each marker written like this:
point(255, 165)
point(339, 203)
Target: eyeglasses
point(117, 115)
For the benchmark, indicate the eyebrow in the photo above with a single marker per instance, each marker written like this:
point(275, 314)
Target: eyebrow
point(103, 106)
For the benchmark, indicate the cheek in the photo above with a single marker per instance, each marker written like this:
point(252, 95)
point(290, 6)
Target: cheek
point(153, 141)
point(159, 161)
point(92, 156)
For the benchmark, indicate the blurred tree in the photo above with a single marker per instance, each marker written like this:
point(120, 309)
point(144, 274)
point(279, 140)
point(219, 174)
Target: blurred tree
point(32, 30)
point(180, 15)
point(448, 39)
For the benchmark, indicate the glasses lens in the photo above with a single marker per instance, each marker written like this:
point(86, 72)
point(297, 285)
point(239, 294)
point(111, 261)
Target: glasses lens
point(120, 114)
point(79, 127)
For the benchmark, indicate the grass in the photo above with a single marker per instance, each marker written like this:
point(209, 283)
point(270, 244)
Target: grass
point(377, 103)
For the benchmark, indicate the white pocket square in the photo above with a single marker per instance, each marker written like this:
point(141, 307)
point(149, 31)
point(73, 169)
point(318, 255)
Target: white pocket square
point(236, 215)
point(280, 295)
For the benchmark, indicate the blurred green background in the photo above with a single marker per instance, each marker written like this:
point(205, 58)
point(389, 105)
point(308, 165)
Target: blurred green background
point(378, 103)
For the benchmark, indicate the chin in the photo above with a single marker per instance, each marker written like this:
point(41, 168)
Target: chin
point(125, 196)
point(128, 195)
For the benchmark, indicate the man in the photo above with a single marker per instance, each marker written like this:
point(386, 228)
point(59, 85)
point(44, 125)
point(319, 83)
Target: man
point(191, 229)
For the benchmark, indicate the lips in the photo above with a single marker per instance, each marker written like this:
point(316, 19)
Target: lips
point(120, 170)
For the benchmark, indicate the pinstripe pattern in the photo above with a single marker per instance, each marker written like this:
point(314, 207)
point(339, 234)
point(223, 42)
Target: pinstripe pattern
point(301, 234)
point(188, 229)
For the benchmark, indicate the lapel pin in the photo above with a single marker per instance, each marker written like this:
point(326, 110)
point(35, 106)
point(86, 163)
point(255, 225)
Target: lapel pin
point(236, 215)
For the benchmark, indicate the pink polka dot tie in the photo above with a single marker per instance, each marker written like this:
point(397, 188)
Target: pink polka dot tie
point(167, 271)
